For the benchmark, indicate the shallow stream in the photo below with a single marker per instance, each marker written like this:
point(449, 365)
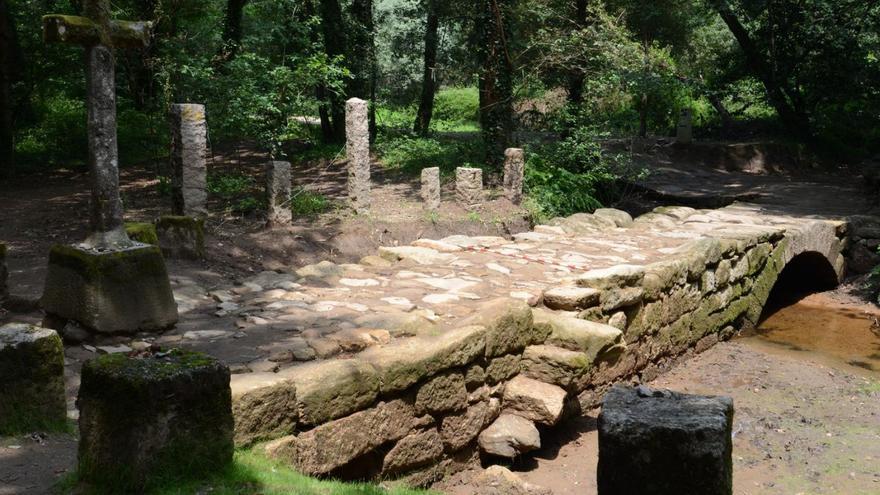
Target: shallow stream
point(832, 331)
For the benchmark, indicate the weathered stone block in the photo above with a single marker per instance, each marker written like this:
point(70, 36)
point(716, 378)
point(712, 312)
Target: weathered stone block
point(597, 340)
point(498, 480)
point(441, 394)
point(534, 400)
point(469, 186)
point(331, 446)
point(431, 188)
point(509, 436)
point(412, 451)
point(142, 232)
point(551, 364)
point(31, 379)
point(502, 368)
point(661, 442)
point(458, 430)
point(189, 132)
point(110, 291)
point(278, 193)
point(614, 277)
point(569, 298)
point(619, 217)
point(514, 167)
point(357, 148)
point(181, 237)
point(509, 326)
point(332, 389)
point(168, 413)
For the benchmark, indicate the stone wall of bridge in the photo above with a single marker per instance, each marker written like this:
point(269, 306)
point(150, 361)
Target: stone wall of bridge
point(418, 406)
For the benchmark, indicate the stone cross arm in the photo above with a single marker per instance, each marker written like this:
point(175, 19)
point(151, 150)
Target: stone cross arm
point(84, 31)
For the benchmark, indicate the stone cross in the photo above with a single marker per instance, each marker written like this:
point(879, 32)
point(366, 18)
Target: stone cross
point(357, 147)
point(431, 188)
point(99, 35)
point(514, 167)
point(189, 137)
point(685, 132)
point(278, 192)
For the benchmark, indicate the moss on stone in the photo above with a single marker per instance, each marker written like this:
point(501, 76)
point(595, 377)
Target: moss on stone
point(142, 232)
point(117, 266)
point(181, 236)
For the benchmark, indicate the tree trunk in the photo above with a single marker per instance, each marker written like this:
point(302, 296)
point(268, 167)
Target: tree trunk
point(363, 58)
point(577, 77)
point(793, 118)
point(429, 76)
point(10, 62)
point(496, 79)
point(231, 38)
point(334, 45)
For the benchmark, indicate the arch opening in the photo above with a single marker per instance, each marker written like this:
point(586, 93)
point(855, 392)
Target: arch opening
point(807, 273)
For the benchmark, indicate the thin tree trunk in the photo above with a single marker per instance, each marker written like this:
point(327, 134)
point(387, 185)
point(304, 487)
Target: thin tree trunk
point(793, 118)
point(10, 62)
point(231, 37)
point(496, 80)
point(335, 42)
point(429, 76)
point(577, 78)
point(363, 60)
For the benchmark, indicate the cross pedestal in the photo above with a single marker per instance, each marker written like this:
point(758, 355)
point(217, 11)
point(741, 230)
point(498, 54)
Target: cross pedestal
point(108, 283)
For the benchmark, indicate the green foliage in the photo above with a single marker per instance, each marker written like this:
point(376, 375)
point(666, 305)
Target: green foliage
point(455, 110)
point(411, 154)
point(308, 204)
point(229, 185)
point(250, 473)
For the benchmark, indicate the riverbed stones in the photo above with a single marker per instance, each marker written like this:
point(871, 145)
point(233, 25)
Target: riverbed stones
point(278, 193)
point(168, 412)
point(31, 380)
point(514, 167)
point(431, 188)
point(113, 291)
point(357, 149)
point(660, 442)
point(534, 400)
point(189, 185)
point(509, 436)
point(469, 187)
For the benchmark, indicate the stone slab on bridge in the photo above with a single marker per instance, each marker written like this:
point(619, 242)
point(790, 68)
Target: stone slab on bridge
point(428, 335)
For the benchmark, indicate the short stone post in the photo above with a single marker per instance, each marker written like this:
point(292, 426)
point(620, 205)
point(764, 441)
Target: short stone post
point(167, 412)
point(357, 148)
point(278, 192)
point(32, 383)
point(514, 168)
point(685, 132)
point(469, 186)
point(431, 188)
point(654, 442)
point(189, 184)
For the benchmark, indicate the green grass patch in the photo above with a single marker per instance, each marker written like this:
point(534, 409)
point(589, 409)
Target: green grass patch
point(411, 154)
point(308, 203)
point(455, 110)
point(229, 185)
point(250, 473)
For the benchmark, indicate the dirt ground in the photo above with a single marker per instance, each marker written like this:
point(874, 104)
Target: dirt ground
point(806, 421)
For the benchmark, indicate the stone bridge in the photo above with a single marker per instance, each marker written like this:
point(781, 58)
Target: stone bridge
point(424, 355)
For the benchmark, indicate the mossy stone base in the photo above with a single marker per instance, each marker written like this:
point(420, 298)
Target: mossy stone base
point(31, 380)
point(110, 292)
point(181, 237)
point(156, 418)
point(142, 232)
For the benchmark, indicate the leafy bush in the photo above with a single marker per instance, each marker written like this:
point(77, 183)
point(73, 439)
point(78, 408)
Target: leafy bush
point(412, 154)
point(456, 107)
point(308, 204)
point(229, 185)
point(59, 137)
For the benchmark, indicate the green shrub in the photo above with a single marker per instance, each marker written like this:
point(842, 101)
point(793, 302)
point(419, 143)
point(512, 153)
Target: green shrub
point(59, 137)
point(308, 204)
point(458, 106)
point(412, 154)
point(229, 185)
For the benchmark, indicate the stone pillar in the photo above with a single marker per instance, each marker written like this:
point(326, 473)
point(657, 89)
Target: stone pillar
point(32, 384)
point(469, 186)
point(189, 185)
point(685, 132)
point(4, 274)
point(357, 148)
point(278, 192)
point(431, 188)
point(654, 442)
point(514, 167)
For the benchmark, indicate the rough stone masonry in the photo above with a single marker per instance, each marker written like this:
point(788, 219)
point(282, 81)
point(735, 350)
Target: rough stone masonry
point(189, 185)
point(431, 188)
point(469, 186)
point(278, 192)
point(357, 148)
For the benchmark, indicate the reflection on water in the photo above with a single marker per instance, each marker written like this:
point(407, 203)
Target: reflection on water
point(819, 324)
